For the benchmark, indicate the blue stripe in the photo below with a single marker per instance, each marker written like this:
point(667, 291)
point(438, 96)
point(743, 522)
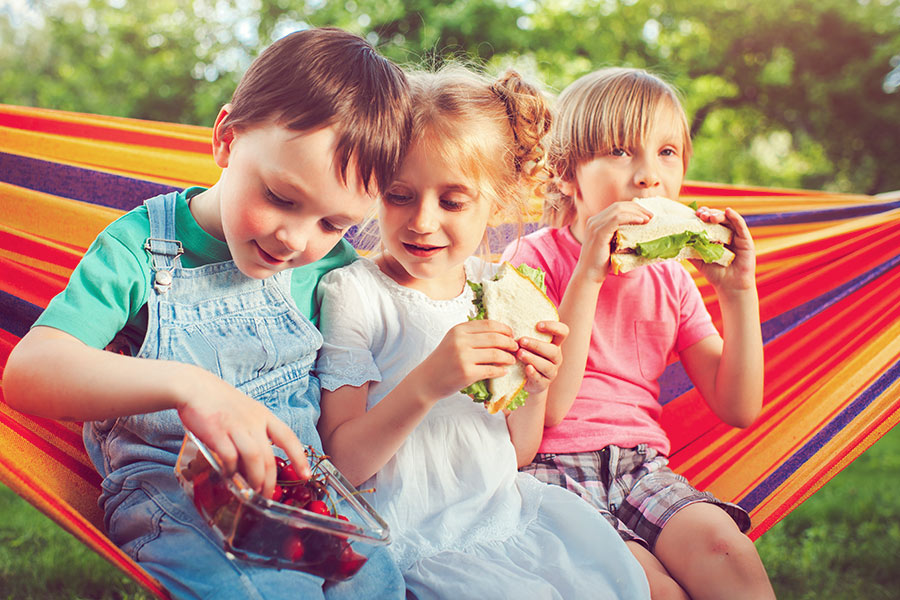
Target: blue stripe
point(674, 381)
point(809, 450)
point(95, 187)
point(824, 214)
point(17, 315)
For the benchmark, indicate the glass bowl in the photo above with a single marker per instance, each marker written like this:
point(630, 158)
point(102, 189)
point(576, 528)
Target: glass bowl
point(261, 530)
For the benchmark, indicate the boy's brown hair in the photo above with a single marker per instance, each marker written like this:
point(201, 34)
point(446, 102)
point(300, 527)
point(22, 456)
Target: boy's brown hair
point(609, 108)
point(322, 77)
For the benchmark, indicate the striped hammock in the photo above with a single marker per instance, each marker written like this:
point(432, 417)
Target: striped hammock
point(827, 275)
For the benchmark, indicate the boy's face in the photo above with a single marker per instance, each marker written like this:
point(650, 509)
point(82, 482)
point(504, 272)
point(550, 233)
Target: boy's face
point(432, 219)
point(282, 201)
point(654, 167)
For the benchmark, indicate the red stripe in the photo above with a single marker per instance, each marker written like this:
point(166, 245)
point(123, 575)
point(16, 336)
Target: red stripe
point(88, 474)
point(46, 124)
point(30, 284)
point(37, 250)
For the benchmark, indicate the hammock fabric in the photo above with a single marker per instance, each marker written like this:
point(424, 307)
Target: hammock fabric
point(827, 276)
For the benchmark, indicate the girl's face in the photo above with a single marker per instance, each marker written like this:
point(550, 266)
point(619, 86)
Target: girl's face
point(653, 167)
point(432, 218)
point(281, 201)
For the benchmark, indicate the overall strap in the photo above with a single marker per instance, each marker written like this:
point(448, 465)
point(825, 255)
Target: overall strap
point(164, 248)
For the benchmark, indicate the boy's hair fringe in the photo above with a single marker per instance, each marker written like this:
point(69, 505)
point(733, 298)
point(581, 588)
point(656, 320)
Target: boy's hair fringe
point(329, 77)
point(606, 109)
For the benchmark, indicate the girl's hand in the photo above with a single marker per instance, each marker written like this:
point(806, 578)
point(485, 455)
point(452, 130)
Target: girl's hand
point(598, 234)
point(740, 275)
point(542, 359)
point(469, 352)
point(240, 431)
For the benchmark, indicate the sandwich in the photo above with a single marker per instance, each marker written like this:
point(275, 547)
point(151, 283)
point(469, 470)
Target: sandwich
point(674, 232)
point(515, 296)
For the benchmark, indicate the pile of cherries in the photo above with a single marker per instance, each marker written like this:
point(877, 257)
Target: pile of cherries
point(251, 534)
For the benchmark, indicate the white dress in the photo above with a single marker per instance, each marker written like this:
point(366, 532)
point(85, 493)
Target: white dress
point(464, 522)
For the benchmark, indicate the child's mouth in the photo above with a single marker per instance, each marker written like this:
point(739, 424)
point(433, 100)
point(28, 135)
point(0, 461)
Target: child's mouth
point(422, 251)
point(268, 257)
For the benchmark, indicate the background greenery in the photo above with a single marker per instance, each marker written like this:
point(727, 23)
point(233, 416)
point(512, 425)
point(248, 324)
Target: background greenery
point(790, 93)
point(793, 93)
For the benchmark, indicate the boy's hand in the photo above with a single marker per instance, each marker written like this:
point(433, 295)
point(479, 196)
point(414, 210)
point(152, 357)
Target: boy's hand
point(240, 430)
point(741, 273)
point(469, 352)
point(542, 359)
point(598, 234)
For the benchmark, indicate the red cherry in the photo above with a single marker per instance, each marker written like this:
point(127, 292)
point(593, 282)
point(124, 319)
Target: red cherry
point(277, 493)
point(349, 562)
point(293, 548)
point(288, 473)
point(280, 464)
point(301, 495)
point(318, 507)
point(343, 518)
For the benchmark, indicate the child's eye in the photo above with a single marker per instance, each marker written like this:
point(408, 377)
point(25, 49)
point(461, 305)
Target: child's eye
point(452, 205)
point(270, 195)
point(397, 198)
point(668, 152)
point(329, 227)
point(618, 152)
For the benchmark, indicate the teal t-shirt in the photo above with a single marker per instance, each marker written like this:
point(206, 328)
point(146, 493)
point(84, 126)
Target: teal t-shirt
point(109, 288)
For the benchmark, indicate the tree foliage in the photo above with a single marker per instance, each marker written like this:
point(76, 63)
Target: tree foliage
point(791, 93)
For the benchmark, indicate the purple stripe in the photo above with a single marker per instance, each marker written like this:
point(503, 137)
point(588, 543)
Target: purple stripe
point(824, 214)
point(17, 315)
point(826, 434)
point(94, 187)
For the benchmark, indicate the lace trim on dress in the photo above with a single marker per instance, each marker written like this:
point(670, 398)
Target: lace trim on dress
point(339, 366)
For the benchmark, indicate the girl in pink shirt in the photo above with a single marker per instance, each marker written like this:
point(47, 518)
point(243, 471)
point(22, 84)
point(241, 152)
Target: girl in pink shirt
point(621, 134)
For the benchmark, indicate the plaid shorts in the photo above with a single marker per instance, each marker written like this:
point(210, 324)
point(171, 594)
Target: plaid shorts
point(633, 488)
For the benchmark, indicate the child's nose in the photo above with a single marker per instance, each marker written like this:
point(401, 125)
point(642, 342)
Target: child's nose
point(646, 174)
point(294, 237)
point(424, 219)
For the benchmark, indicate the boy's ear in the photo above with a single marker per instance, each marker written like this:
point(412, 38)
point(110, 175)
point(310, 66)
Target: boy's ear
point(567, 187)
point(222, 138)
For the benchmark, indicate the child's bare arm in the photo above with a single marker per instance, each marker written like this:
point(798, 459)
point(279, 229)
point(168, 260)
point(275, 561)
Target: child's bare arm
point(53, 374)
point(542, 362)
point(361, 442)
point(728, 372)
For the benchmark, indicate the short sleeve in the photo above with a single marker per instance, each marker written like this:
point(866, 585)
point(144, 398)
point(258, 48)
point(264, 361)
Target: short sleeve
point(104, 293)
point(347, 324)
point(695, 322)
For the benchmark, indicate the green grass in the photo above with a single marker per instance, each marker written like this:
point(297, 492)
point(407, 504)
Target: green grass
point(41, 561)
point(843, 543)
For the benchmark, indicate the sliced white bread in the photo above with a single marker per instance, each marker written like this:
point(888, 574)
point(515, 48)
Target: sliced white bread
point(515, 300)
point(669, 217)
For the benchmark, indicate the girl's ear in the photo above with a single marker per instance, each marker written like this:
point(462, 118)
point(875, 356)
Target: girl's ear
point(222, 138)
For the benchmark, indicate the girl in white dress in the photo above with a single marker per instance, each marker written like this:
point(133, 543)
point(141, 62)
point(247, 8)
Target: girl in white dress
point(399, 347)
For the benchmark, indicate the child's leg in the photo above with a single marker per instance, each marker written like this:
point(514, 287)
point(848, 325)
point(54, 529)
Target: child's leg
point(662, 586)
point(702, 548)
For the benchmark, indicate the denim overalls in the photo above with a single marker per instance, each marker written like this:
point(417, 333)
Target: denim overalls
point(250, 333)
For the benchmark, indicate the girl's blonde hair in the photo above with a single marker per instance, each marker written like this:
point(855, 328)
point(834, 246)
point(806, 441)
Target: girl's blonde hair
point(610, 108)
point(492, 131)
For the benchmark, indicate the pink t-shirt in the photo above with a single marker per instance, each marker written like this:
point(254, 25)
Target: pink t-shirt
point(643, 317)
